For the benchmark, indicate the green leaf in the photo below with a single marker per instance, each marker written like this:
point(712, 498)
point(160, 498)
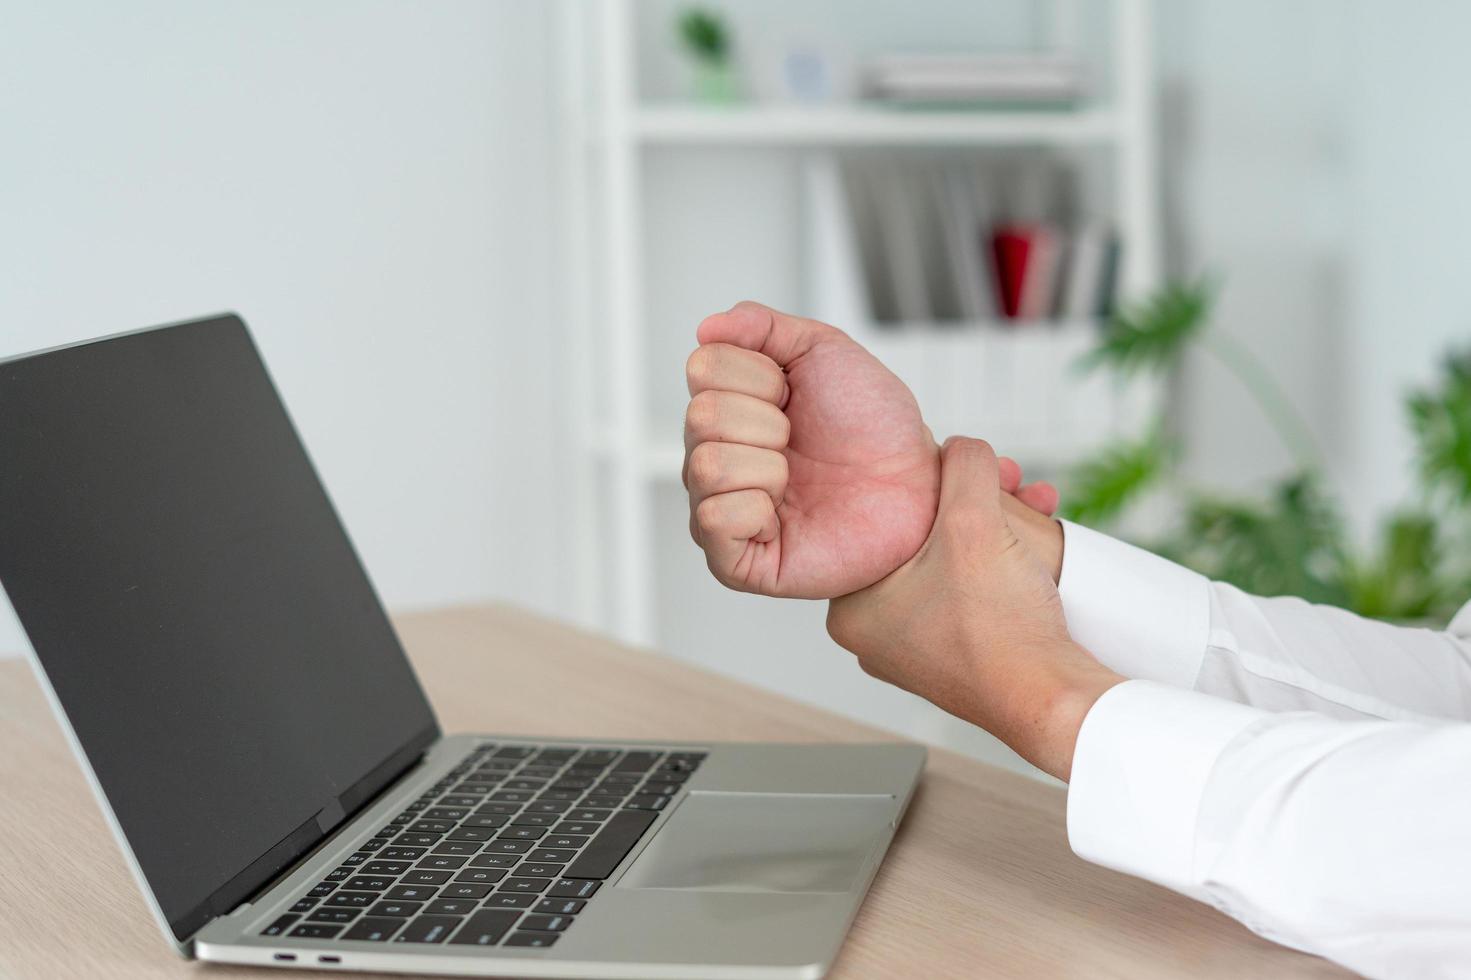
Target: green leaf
point(1404, 579)
point(1100, 488)
point(1151, 335)
point(1292, 543)
point(1440, 418)
point(704, 33)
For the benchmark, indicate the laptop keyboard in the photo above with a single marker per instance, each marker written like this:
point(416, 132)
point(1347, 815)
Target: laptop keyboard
point(506, 849)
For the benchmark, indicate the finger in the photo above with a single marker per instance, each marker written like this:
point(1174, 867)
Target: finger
point(969, 477)
point(727, 523)
point(723, 367)
point(780, 336)
point(1011, 473)
point(720, 467)
point(728, 416)
point(1040, 496)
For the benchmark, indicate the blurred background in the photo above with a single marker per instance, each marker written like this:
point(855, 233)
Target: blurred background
point(1199, 262)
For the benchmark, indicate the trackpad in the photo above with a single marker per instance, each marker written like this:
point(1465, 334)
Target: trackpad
point(764, 842)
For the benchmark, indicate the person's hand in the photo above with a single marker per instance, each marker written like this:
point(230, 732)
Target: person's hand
point(973, 622)
point(810, 471)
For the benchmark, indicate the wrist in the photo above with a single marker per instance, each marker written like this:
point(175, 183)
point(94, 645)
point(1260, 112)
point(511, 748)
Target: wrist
point(1066, 685)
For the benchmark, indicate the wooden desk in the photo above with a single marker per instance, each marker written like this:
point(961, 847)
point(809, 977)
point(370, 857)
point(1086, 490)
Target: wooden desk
point(979, 882)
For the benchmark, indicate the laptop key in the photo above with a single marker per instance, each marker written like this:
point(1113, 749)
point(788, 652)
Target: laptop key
point(314, 930)
point(482, 820)
point(375, 843)
point(411, 893)
point(442, 862)
point(514, 751)
point(581, 828)
point(559, 906)
point(480, 876)
point(541, 870)
point(486, 809)
point(337, 874)
point(568, 796)
point(525, 884)
point(485, 928)
point(373, 930)
point(472, 834)
point(551, 854)
point(447, 813)
point(588, 816)
point(460, 848)
point(421, 877)
point(303, 905)
point(637, 761)
point(334, 915)
point(417, 840)
point(530, 819)
point(511, 900)
point(279, 926)
point(512, 796)
point(508, 846)
point(463, 890)
point(351, 900)
point(397, 853)
point(521, 833)
point(451, 906)
point(431, 827)
point(428, 929)
point(322, 888)
point(532, 939)
point(647, 803)
point(564, 840)
point(546, 923)
point(400, 910)
point(573, 888)
point(385, 867)
point(494, 860)
point(611, 845)
point(460, 801)
point(366, 883)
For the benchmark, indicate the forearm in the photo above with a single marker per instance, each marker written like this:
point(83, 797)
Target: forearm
point(1342, 838)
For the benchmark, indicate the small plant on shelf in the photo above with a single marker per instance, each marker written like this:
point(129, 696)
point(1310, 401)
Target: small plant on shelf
point(1293, 540)
point(706, 38)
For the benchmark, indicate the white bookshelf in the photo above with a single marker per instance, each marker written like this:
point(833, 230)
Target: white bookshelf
point(620, 462)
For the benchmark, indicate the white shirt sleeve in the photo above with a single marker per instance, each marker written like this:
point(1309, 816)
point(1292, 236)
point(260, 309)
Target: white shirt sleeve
point(1342, 838)
point(1340, 829)
point(1149, 618)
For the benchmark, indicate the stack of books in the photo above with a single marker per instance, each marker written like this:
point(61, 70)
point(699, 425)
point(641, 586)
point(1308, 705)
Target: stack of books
point(1024, 79)
point(957, 242)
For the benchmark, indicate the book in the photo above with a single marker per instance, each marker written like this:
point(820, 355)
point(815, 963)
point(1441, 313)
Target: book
point(1013, 78)
point(962, 210)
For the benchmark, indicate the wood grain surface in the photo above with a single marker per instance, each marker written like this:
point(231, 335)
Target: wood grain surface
point(979, 883)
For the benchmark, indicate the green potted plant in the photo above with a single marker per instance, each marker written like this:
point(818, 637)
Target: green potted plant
point(1293, 540)
point(705, 37)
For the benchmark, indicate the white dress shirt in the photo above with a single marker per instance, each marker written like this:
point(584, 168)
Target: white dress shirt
point(1300, 768)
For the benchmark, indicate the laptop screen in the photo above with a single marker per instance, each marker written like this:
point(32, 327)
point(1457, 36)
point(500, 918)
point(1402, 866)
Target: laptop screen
point(197, 607)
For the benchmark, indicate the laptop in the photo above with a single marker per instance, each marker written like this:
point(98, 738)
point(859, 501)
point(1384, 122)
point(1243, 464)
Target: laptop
point(271, 767)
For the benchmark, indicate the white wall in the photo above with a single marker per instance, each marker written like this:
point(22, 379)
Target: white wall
point(370, 185)
point(373, 185)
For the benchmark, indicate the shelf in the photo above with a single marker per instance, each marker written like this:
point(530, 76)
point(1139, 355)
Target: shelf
point(866, 125)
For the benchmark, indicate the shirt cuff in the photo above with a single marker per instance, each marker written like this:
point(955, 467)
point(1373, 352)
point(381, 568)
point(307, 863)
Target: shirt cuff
point(1139, 614)
point(1143, 759)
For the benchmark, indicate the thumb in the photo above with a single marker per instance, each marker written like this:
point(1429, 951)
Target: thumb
point(970, 478)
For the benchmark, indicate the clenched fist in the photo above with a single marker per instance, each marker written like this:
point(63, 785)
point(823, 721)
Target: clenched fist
point(811, 473)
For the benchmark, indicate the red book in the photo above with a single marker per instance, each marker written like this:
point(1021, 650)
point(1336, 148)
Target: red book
point(1011, 245)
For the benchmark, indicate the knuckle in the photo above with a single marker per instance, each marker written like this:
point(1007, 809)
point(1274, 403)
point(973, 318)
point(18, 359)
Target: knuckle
point(709, 515)
point(705, 465)
point(700, 365)
point(703, 414)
